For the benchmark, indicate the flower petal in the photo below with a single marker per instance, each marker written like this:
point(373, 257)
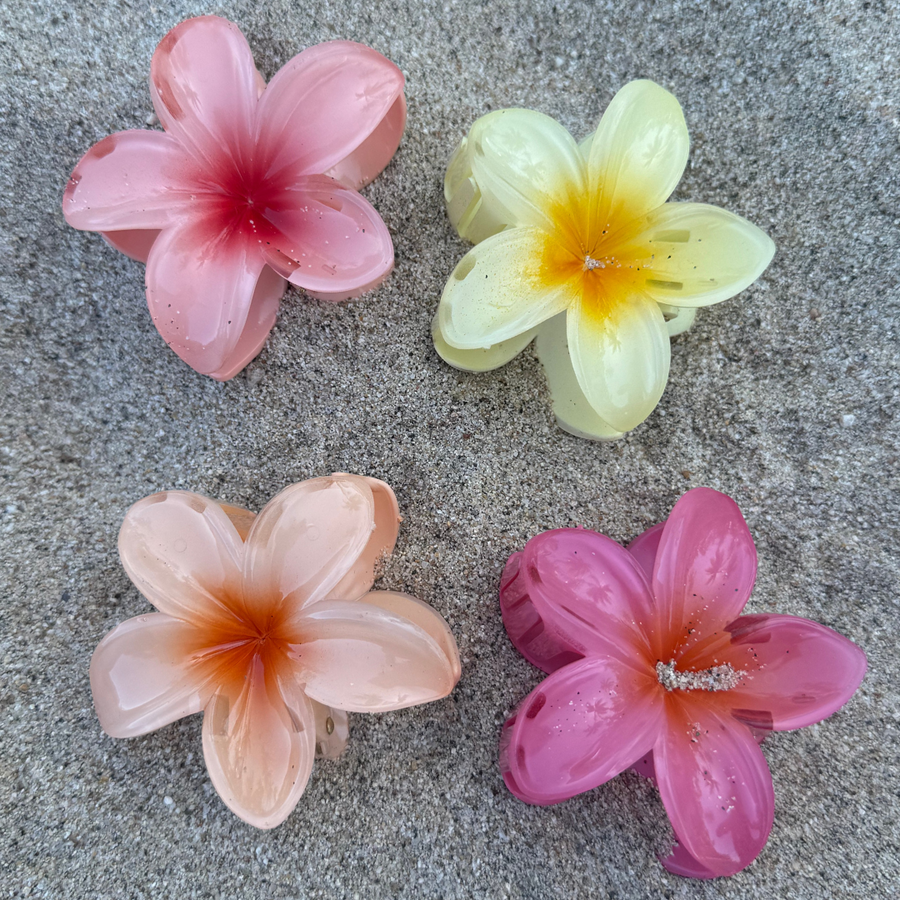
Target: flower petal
point(715, 785)
point(332, 730)
point(182, 553)
point(202, 294)
point(644, 548)
point(130, 180)
point(141, 678)
point(705, 565)
point(501, 289)
point(678, 319)
point(637, 154)
point(574, 593)
point(204, 87)
point(483, 359)
point(692, 254)
point(797, 672)
point(363, 658)
point(581, 726)
point(335, 105)
point(306, 540)
point(328, 240)
point(134, 243)
point(573, 412)
point(259, 741)
point(361, 576)
point(620, 352)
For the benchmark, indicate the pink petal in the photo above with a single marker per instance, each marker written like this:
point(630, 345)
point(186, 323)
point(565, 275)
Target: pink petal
point(361, 576)
point(644, 548)
point(306, 540)
point(332, 730)
point(130, 180)
point(182, 553)
point(204, 88)
point(363, 658)
point(705, 565)
point(141, 678)
point(715, 785)
point(135, 244)
point(328, 240)
point(330, 102)
point(202, 293)
point(581, 726)
point(259, 740)
point(797, 672)
point(577, 592)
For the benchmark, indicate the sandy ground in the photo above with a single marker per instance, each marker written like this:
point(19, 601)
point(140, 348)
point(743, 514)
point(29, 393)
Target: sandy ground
point(784, 397)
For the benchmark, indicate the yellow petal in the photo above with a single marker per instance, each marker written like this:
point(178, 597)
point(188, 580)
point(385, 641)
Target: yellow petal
point(503, 287)
point(619, 348)
point(573, 412)
point(482, 359)
point(678, 318)
point(638, 153)
point(691, 254)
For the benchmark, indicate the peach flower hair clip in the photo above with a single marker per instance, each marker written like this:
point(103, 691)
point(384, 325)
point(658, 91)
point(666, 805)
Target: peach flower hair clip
point(250, 186)
point(269, 626)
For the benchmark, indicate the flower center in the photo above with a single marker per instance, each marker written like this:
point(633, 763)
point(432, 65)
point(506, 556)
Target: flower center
point(715, 678)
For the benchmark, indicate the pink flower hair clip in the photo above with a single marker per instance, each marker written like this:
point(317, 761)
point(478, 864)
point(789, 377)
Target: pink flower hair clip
point(651, 666)
point(250, 186)
point(268, 625)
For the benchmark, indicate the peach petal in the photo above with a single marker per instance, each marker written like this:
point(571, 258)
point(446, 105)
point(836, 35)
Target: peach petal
point(141, 678)
point(338, 104)
point(332, 730)
point(259, 741)
point(182, 553)
point(362, 658)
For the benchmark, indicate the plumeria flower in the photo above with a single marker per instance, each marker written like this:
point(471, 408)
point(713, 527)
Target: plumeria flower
point(248, 187)
point(269, 626)
point(576, 244)
point(651, 665)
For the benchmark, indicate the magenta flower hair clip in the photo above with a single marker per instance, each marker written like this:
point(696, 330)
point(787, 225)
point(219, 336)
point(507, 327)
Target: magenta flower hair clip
point(268, 625)
point(250, 186)
point(652, 666)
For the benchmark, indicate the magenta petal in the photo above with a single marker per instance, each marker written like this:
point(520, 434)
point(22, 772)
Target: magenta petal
point(204, 87)
point(325, 105)
point(706, 562)
point(200, 288)
point(715, 785)
point(141, 677)
point(581, 726)
point(797, 672)
point(588, 593)
point(644, 549)
point(130, 180)
point(680, 862)
point(329, 241)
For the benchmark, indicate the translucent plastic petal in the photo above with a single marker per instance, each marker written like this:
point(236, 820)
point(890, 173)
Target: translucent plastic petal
point(141, 678)
point(573, 411)
point(715, 785)
point(644, 547)
point(678, 319)
point(691, 254)
point(501, 289)
point(528, 170)
point(797, 672)
point(473, 219)
point(581, 726)
point(204, 87)
point(363, 658)
point(620, 353)
point(306, 540)
point(136, 243)
point(182, 553)
point(481, 359)
point(330, 102)
point(130, 180)
point(705, 566)
point(361, 576)
point(638, 153)
point(577, 592)
point(201, 283)
point(328, 240)
point(259, 741)
point(332, 730)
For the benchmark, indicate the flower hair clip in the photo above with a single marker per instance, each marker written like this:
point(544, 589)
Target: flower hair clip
point(576, 245)
point(249, 187)
point(652, 666)
point(269, 626)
